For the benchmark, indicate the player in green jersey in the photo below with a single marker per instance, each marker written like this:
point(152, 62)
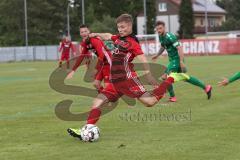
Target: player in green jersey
point(226, 81)
point(176, 66)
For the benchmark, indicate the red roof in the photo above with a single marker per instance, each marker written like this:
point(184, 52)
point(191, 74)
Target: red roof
point(178, 2)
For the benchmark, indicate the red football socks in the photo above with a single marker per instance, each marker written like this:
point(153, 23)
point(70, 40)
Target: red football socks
point(162, 88)
point(94, 116)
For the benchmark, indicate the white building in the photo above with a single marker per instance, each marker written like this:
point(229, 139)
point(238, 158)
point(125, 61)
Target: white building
point(167, 11)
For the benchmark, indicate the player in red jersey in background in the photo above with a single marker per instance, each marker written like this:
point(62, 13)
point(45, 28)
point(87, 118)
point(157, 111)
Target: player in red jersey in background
point(96, 46)
point(65, 47)
point(124, 79)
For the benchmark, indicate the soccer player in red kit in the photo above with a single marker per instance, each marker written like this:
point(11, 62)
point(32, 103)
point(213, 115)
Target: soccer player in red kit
point(124, 79)
point(65, 47)
point(93, 45)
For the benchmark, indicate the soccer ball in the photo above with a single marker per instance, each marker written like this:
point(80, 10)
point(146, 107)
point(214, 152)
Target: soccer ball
point(90, 133)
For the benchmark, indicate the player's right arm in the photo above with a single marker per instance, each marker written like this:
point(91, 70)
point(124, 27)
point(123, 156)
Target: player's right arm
point(76, 65)
point(181, 56)
point(160, 52)
point(60, 47)
point(103, 36)
point(83, 53)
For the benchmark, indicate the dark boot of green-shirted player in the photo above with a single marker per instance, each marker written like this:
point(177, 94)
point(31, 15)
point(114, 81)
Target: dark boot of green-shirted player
point(197, 82)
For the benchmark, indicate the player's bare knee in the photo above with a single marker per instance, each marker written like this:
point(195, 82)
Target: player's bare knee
point(96, 84)
point(148, 100)
point(99, 101)
point(151, 102)
point(164, 76)
point(93, 107)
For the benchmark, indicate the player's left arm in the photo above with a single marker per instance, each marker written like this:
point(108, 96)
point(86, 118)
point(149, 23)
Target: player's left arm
point(234, 77)
point(226, 81)
point(60, 47)
point(142, 58)
point(160, 52)
point(136, 49)
point(181, 56)
point(103, 36)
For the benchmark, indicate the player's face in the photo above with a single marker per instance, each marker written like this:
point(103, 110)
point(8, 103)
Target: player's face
point(67, 39)
point(160, 29)
point(124, 28)
point(84, 32)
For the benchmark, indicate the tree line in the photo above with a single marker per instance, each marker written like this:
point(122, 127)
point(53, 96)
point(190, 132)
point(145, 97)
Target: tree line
point(47, 19)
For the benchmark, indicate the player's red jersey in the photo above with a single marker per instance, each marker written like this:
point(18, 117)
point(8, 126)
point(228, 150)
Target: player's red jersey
point(103, 74)
point(96, 46)
point(123, 77)
point(65, 47)
point(127, 48)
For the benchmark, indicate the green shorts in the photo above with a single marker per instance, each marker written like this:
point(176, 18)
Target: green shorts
point(174, 67)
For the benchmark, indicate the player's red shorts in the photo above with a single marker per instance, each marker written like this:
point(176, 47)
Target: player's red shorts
point(103, 74)
point(132, 88)
point(65, 56)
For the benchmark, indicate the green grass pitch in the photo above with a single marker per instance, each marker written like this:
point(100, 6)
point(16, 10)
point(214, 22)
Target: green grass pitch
point(29, 128)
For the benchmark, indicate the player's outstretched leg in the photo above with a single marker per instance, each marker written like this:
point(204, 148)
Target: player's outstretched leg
point(197, 82)
point(192, 80)
point(150, 99)
point(208, 91)
point(170, 90)
point(172, 94)
point(93, 116)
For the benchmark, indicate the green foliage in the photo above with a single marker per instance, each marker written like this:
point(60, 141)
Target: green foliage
point(47, 19)
point(106, 25)
point(98, 9)
point(11, 22)
point(186, 20)
point(232, 8)
point(151, 16)
point(221, 3)
point(230, 24)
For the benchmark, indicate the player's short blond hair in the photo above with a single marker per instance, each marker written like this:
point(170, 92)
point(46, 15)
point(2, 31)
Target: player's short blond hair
point(124, 18)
